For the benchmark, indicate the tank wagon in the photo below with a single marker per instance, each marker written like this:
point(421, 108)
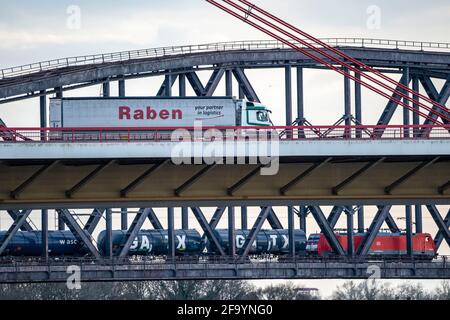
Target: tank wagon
point(60, 243)
point(274, 242)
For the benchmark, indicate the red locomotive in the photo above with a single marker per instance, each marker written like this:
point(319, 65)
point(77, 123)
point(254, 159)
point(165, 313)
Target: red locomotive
point(384, 245)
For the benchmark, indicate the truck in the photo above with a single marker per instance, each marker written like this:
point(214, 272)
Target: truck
point(157, 112)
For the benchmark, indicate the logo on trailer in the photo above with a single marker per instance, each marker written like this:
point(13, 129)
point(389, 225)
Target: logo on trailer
point(149, 113)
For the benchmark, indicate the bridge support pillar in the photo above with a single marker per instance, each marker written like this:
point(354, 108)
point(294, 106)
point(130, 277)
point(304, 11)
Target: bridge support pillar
point(109, 245)
point(182, 85)
point(44, 228)
point(358, 104)
point(409, 232)
point(288, 92)
point(361, 219)
point(124, 218)
point(231, 232)
point(419, 219)
point(121, 85)
point(106, 89)
point(406, 116)
point(244, 218)
point(171, 229)
point(350, 238)
point(184, 218)
point(228, 83)
point(291, 227)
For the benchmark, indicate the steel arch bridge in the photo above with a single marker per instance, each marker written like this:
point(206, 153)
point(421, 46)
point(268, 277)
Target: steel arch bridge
point(420, 64)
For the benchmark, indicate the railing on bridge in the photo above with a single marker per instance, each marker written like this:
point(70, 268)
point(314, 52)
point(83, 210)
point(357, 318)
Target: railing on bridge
point(205, 134)
point(49, 65)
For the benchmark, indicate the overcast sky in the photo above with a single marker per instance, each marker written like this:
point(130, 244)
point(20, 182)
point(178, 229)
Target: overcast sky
point(32, 31)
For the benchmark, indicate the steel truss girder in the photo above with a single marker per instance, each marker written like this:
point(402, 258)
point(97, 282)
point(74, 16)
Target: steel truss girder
point(86, 180)
point(16, 192)
point(273, 220)
point(133, 231)
point(163, 89)
point(207, 229)
point(186, 185)
point(93, 220)
point(78, 232)
point(214, 82)
point(262, 217)
point(327, 230)
point(442, 224)
point(374, 228)
point(440, 235)
point(441, 97)
point(139, 180)
point(21, 218)
point(154, 219)
point(410, 174)
point(392, 105)
point(245, 85)
point(196, 83)
point(214, 220)
point(14, 214)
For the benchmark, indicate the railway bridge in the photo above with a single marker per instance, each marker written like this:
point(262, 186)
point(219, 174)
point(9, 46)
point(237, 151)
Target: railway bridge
point(348, 165)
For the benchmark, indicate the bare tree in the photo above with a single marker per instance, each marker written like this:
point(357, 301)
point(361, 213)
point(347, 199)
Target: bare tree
point(287, 291)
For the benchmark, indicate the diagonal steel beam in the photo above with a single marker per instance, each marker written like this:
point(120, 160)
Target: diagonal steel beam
point(154, 219)
point(78, 232)
point(21, 218)
point(196, 83)
point(245, 84)
point(374, 228)
point(133, 231)
point(214, 82)
point(327, 230)
point(273, 220)
point(390, 221)
point(440, 235)
point(207, 229)
point(162, 89)
point(356, 175)
point(440, 97)
point(215, 220)
point(444, 188)
point(16, 192)
point(241, 183)
point(86, 180)
point(14, 214)
point(262, 217)
point(139, 180)
point(410, 174)
point(93, 220)
point(334, 216)
point(303, 175)
point(186, 185)
point(441, 224)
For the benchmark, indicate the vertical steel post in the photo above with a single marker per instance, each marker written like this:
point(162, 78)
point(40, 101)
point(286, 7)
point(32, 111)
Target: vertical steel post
point(124, 218)
point(361, 219)
point(350, 238)
point(43, 112)
point(419, 219)
point(347, 100)
point(44, 218)
point(303, 214)
point(185, 218)
point(168, 86)
point(182, 85)
point(59, 93)
point(288, 96)
point(358, 104)
point(106, 89)
point(228, 83)
point(121, 88)
point(61, 224)
point(300, 96)
point(231, 232)
point(171, 233)
point(406, 118)
point(291, 227)
point(109, 245)
point(416, 116)
point(244, 218)
point(409, 232)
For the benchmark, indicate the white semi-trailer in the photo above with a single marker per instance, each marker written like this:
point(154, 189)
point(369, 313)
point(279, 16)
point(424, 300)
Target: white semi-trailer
point(156, 112)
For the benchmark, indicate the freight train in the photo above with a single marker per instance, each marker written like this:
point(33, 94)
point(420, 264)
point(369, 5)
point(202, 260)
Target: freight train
point(191, 243)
